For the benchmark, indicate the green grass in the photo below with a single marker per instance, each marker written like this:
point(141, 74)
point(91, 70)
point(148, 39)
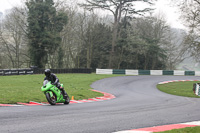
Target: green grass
point(179, 88)
point(25, 88)
point(184, 130)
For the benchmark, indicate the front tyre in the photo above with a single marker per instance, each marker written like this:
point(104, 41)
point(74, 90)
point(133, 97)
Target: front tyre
point(51, 100)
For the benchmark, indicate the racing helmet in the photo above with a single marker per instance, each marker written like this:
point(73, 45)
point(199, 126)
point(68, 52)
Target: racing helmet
point(47, 72)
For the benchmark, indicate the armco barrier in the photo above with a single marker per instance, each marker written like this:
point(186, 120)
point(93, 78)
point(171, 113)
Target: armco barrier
point(189, 73)
point(104, 71)
point(166, 72)
point(147, 72)
point(118, 71)
point(144, 72)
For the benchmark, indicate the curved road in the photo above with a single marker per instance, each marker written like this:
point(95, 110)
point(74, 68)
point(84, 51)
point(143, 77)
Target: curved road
point(137, 104)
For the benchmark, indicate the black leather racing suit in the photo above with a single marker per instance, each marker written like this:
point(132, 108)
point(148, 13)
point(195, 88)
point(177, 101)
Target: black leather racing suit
point(54, 80)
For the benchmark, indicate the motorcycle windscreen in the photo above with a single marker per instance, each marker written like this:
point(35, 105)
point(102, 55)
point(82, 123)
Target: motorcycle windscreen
point(45, 82)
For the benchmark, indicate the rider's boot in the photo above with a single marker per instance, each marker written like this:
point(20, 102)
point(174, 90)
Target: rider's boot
point(63, 92)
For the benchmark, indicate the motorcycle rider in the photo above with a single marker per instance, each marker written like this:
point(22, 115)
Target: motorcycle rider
point(54, 80)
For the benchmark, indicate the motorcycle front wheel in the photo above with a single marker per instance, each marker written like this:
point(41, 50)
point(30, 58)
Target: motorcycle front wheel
point(51, 100)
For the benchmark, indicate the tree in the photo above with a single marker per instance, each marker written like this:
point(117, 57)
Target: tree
point(97, 42)
point(152, 30)
point(139, 46)
point(13, 38)
point(191, 14)
point(102, 39)
point(73, 38)
point(190, 10)
point(118, 8)
point(176, 51)
point(93, 35)
point(44, 26)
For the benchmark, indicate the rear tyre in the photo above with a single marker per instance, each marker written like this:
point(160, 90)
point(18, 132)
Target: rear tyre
point(51, 100)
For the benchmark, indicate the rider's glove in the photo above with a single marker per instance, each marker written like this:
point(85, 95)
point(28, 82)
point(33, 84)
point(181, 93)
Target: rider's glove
point(53, 83)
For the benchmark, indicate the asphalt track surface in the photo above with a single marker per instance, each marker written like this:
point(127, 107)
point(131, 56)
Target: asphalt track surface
point(138, 104)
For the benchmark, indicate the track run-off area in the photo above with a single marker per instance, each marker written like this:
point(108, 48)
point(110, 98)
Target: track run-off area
point(137, 104)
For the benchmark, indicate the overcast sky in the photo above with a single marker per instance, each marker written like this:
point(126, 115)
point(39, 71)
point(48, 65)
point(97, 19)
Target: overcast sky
point(163, 6)
point(7, 4)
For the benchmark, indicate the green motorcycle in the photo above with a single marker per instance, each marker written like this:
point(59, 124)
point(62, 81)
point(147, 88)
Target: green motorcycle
point(53, 94)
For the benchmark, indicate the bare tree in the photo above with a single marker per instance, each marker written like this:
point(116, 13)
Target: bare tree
point(71, 37)
point(174, 44)
point(190, 10)
point(12, 38)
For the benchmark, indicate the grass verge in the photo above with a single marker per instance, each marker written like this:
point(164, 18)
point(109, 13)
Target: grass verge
point(25, 88)
point(179, 88)
point(184, 130)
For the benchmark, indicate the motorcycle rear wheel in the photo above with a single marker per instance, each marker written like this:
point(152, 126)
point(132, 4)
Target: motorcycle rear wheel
point(51, 100)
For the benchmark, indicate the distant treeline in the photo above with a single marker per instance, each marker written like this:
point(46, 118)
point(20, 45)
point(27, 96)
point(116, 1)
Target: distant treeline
point(58, 35)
